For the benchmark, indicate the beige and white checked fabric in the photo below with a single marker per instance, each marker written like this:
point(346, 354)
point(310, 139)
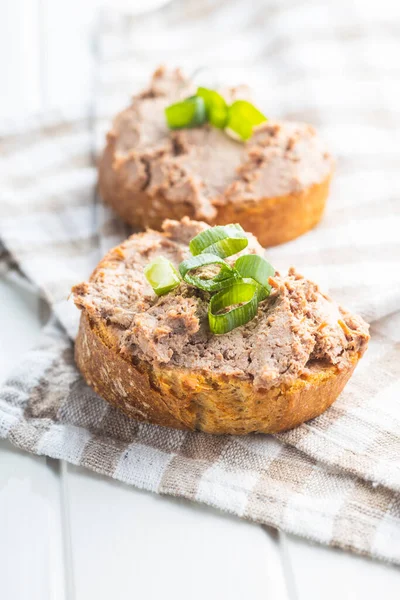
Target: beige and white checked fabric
point(335, 479)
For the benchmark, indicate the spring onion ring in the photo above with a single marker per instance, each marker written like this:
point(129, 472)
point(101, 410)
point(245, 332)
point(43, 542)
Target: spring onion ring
point(221, 240)
point(161, 275)
point(216, 107)
point(241, 293)
point(225, 277)
point(188, 113)
point(242, 118)
point(257, 268)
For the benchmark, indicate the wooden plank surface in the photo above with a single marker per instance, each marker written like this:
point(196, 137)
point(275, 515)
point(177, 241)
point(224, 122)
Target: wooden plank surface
point(321, 572)
point(31, 543)
point(164, 547)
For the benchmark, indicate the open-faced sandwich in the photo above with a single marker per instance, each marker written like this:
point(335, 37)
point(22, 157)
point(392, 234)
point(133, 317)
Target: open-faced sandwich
point(171, 154)
point(192, 328)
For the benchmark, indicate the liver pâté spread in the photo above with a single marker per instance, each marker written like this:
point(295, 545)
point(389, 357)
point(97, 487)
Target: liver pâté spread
point(296, 328)
point(203, 167)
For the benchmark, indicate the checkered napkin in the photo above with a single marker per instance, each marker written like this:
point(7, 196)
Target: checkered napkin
point(335, 479)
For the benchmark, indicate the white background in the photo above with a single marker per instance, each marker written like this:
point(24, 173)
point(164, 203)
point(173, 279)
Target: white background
point(68, 534)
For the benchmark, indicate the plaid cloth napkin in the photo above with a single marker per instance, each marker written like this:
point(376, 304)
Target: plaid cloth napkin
point(335, 479)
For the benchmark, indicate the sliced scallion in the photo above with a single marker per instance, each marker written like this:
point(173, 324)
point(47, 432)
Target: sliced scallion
point(221, 240)
point(162, 275)
point(216, 107)
point(258, 269)
point(243, 116)
point(242, 301)
point(188, 113)
point(225, 276)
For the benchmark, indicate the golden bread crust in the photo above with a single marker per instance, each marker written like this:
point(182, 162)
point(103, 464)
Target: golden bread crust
point(210, 402)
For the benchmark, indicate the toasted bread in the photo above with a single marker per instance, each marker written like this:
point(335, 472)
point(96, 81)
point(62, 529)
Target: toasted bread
point(156, 359)
point(179, 398)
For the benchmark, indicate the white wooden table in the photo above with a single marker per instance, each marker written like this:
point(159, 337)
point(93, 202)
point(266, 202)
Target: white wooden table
point(51, 544)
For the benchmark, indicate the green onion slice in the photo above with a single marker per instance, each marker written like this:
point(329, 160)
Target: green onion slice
point(224, 278)
point(188, 113)
point(242, 118)
point(216, 107)
point(257, 268)
point(243, 294)
point(221, 240)
point(162, 275)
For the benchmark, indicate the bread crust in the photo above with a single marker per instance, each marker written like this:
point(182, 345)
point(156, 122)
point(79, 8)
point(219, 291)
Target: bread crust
point(210, 402)
point(273, 220)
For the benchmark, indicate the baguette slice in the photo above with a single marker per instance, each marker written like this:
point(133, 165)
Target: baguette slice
point(275, 185)
point(134, 349)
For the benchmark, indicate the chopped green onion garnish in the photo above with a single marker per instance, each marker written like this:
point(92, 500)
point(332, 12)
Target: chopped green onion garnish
point(242, 118)
point(238, 288)
point(162, 275)
point(257, 268)
point(216, 107)
point(224, 278)
point(188, 113)
point(222, 240)
point(243, 294)
point(238, 119)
